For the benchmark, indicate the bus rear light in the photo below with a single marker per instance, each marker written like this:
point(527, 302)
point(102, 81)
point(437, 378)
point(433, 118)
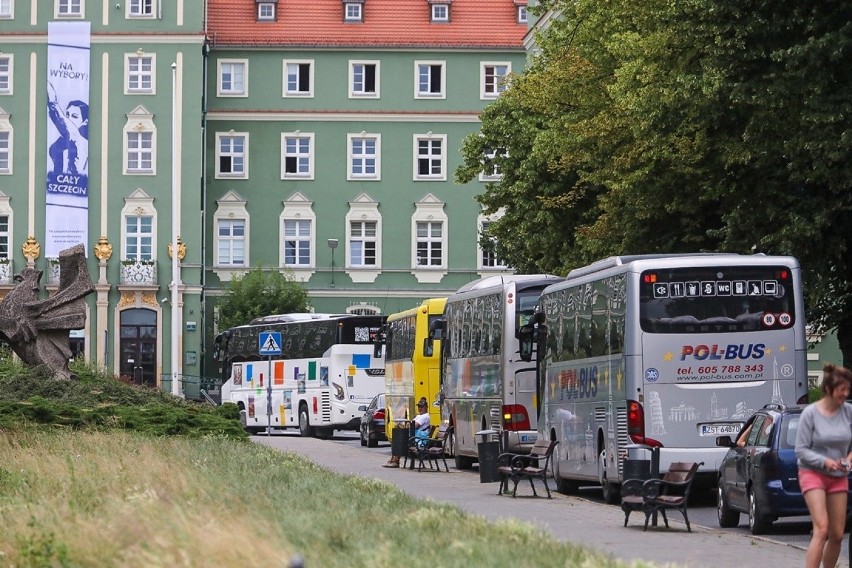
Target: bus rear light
point(315, 405)
point(515, 417)
point(636, 425)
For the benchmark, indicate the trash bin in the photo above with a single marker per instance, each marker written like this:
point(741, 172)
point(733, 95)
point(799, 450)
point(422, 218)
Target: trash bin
point(636, 466)
point(399, 439)
point(488, 449)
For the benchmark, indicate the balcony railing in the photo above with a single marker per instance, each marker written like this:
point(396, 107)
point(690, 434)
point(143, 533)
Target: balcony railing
point(139, 272)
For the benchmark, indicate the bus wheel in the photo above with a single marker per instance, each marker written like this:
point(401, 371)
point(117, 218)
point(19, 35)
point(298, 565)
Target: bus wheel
point(608, 488)
point(305, 428)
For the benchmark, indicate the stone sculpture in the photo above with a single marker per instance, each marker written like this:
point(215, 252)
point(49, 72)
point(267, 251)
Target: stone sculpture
point(38, 329)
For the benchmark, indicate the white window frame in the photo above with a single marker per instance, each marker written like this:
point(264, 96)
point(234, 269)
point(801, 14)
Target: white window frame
point(359, 234)
point(8, 152)
point(285, 91)
point(6, 211)
point(351, 157)
point(298, 208)
point(129, 73)
point(230, 239)
point(442, 93)
point(495, 174)
point(357, 14)
point(522, 15)
point(244, 155)
point(231, 206)
point(140, 121)
point(262, 15)
point(69, 8)
point(309, 174)
point(354, 93)
point(498, 83)
point(295, 240)
point(442, 158)
point(430, 209)
point(440, 12)
point(139, 204)
point(136, 9)
point(232, 65)
point(363, 209)
point(7, 75)
point(7, 9)
point(482, 222)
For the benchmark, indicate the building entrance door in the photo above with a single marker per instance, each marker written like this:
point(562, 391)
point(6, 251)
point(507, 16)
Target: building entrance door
point(138, 346)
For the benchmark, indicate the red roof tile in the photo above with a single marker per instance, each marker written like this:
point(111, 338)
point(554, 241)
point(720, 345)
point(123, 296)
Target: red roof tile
point(387, 23)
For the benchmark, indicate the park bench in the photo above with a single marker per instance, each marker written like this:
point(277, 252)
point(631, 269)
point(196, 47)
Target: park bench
point(534, 465)
point(431, 450)
point(654, 496)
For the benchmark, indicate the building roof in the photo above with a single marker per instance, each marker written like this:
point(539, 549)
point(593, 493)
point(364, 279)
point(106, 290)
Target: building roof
point(386, 24)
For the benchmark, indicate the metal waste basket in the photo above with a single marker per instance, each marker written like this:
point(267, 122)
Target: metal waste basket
point(638, 464)
point(399, 439)
point(489, 450)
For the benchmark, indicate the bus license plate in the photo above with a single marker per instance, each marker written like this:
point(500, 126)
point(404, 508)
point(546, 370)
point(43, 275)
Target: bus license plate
point(720, 429)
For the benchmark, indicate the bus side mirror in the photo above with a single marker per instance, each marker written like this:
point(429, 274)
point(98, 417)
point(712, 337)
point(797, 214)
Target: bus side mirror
point(381, 340)
point(436, 331)
point(525, 342)
point(428, 347)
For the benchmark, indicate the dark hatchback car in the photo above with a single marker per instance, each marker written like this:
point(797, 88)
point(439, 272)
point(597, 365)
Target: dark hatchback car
point(373, 422)
point(760, 478)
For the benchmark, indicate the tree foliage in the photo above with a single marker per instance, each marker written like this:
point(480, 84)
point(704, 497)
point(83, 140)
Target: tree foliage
point(680, 127)
point(259, 293)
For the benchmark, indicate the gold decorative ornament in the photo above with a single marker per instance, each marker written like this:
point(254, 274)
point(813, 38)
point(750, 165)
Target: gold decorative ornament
point(181, 249)
point(31, 248)
point(103, 250)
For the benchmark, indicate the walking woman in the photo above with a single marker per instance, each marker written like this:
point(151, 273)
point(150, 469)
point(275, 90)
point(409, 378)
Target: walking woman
point(824, 450)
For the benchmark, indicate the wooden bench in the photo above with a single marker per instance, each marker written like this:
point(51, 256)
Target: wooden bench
point(431, 450)
point(533, 465)
point(654, 496)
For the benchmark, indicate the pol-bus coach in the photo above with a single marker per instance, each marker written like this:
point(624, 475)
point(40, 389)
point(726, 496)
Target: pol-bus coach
point(668, 352)
point(327, 368)
point(486, 385)
point(412, 363)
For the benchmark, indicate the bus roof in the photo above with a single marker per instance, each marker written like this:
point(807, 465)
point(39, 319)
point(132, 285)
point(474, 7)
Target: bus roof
point(286, 318)
point(706, 258)
point(434, 306)
point(492, 281)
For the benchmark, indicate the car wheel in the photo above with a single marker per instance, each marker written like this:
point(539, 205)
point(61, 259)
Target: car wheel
point(372, 441)
point(757, 523)
point(363, 436)
point(728, 518)
point(305, 428)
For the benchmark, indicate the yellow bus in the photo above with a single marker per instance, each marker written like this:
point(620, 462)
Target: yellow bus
point(412, 368)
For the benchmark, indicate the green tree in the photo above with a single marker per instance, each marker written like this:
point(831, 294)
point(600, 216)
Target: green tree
point(685, 126)
point(260, 292)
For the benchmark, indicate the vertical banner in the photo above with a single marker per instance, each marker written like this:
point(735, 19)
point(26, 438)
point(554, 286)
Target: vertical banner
point(67, 214)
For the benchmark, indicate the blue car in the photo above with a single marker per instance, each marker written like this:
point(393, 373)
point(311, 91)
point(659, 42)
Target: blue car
point(760, 477)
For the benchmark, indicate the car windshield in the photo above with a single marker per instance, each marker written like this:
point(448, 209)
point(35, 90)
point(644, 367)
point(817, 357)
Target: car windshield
point(789, 426)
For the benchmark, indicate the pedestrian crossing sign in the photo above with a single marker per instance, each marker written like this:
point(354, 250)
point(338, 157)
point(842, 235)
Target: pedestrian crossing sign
point(269, 343)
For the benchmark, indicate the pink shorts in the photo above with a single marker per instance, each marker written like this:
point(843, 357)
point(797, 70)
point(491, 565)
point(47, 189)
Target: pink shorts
point(810, 479)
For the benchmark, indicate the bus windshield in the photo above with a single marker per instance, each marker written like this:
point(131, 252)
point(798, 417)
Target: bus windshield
point(716, 299)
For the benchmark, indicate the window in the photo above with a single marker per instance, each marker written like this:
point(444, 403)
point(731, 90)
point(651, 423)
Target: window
point(140, 143)
point(363, 79)
point(5, 152)
point(139, 237)
point(364, 156)
point(522, 14)
point(440, 12)
point(5, 74)
point(353, 12)
point(362, 243)
point(430, 157)
point(297, 155)
point(429, 79)
point(487, 257)
point(297, 242)
point(69, 7)
point(7, 9)
point(233, 78)
point(491, 164)
point(430, 251)
point(231, 151)
point(231, 245)
point(140, 8)
point(230, 242)
point(298, 78)
point(266, 11)
point(493, 79)
point(139, 74)
point(363, 239)
point(140, 152)
point(429, 240)
point(4, 237)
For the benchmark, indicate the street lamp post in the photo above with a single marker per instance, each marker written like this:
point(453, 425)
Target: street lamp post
point(176, 386)
point(332, 244)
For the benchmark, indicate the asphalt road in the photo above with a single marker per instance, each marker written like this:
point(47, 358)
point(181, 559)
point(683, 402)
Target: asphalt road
point(788, 534)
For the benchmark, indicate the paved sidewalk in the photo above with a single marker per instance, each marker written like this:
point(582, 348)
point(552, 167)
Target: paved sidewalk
point(567, 518)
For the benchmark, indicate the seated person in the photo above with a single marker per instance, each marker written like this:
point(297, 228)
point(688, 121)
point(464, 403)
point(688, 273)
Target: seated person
point(422, 422)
